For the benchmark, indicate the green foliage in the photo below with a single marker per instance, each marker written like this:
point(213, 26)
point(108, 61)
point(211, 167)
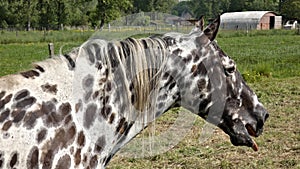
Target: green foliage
point(215, 7)
point(141, 20)
point(164, 6)
point(108, 10)
point(291, 9)
point(52, 14)
point(182, 7)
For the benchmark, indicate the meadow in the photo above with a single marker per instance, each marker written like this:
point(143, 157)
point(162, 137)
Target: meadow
point(268, 60)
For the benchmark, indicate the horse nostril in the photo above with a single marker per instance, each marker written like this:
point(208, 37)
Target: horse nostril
point(266, 116)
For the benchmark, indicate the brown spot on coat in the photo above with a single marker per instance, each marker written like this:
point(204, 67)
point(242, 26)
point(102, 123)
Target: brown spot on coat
point(201, 70)
point(87, 96)
point(49, 88)
point(64, 109)
point(94, 162)
point(201, 84)
point(55, 118)
point(121, 123)
point(81, 139)
point(25, 103)
point(77, 157)
point(48, 107)
point(194, 68)
point(62, 138)
point(6, 125)
point(87, 82)
point(2, 93)
point(1, 159)
point(177, 51)
point(100, 144)
point(187, 59)
point(89, 116)
point(13, 160)
point(5, 101)
point(33, 158)
point(96, 94)
point(48, 159)
point(64, 162)
point(30, 74)
point(22, 94)
point(19, 116)
point(111, 118)
point(41, 135)
point(124, 127)
point(72, 149)
point(30, 120)
point(41, 69)
point(196, 58)
point(68, 119)
point(4, 115)
point(78, 106)
point(71, 132)
point(108, 86)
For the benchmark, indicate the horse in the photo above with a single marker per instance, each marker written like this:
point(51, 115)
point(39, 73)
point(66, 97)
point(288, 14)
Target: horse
point(79, 109)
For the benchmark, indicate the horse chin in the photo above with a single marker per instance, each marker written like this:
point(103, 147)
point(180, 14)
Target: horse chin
point(243, 138)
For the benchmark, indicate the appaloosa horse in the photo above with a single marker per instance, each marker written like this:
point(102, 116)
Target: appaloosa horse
point(78, 110)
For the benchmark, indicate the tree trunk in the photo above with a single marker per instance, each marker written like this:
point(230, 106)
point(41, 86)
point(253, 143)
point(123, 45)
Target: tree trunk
point(28, 16)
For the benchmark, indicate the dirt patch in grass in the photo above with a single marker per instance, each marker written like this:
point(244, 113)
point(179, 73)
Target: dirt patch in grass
point(279, 145)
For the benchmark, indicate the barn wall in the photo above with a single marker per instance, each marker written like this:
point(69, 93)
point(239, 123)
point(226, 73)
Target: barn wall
point(264, 23)
point(250, 20)
point(237, 25)
point(278, 22)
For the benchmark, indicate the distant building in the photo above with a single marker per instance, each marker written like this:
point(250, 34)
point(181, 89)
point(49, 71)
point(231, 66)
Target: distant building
point(260, 20)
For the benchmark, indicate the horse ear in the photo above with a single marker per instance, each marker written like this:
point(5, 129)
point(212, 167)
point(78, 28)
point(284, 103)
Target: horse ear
point(212, 29)
point(200, 23)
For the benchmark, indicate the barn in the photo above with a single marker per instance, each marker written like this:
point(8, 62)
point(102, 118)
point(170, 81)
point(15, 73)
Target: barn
point(249, 20)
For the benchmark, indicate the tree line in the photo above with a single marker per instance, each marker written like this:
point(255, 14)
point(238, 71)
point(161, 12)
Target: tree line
point(289, 9)
point(54, 14)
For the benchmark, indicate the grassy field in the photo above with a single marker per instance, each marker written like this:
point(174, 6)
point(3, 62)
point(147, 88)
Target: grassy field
point(268, 60)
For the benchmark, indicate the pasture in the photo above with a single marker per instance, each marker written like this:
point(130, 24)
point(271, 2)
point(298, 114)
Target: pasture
point(268, 60)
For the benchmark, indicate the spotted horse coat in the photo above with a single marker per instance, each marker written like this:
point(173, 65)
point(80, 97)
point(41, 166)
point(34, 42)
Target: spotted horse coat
point(78, 110)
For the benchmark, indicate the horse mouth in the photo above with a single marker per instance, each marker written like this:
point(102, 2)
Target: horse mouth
point(252, 133)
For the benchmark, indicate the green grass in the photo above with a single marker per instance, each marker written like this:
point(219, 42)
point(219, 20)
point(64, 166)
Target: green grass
point(269, 61)
point(279, 146)
point(17, 57)
point(272, 55)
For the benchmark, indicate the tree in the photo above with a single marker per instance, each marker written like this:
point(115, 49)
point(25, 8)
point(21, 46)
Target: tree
point(4, 14)
point(143, 6)
point(108, 10)
point(61, 12)
point(46, 16)
point(291, 9)
point(164, 6)
point(182, 7)
point(259, 5)
point(79, 12)
point(237, 5)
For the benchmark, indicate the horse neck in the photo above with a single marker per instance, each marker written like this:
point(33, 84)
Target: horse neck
point(143, 88)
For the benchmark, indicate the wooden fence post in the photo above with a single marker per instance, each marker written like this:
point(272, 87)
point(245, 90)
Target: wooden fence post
point(51, 49)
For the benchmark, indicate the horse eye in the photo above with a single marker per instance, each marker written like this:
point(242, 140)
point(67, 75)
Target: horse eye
point(230, 69)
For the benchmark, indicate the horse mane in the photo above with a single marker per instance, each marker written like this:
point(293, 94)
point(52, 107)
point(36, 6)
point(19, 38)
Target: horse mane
point(136, 63)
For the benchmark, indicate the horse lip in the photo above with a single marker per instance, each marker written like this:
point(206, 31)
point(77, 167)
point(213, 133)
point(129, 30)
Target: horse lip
point(251, 130)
